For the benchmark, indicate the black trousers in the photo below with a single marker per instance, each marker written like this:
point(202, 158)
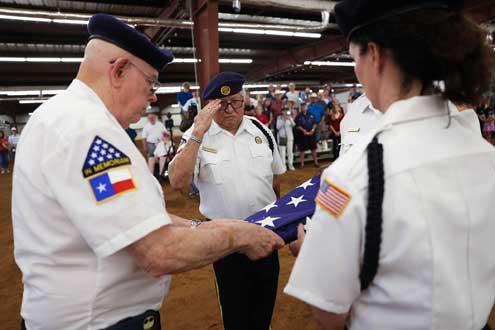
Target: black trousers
point(247, 291)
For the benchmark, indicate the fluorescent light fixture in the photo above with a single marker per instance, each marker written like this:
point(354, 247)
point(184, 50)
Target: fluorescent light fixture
point(25, 18)
point(272, 32)
point(23, 93)
point(235, 60)
point(51, 91)
point(256, 86)
point(41, 59)
point(221, 60)
point(31, 101)
point(70, 21)
point(329, 63)
point(258, 92)
point(283, 85)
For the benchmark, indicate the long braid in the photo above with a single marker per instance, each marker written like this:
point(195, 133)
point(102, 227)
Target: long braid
point(373, 230)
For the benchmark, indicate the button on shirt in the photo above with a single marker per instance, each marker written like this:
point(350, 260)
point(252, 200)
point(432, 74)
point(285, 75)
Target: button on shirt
point(234, 173)
point(153, 133)
point(359, 119)
point(68, 245)
point(436, 261)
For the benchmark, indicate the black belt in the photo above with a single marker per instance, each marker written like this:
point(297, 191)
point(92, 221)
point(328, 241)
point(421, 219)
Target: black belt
point(149, 320)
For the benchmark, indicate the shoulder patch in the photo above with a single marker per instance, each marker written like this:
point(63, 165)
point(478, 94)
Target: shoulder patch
point(103, 156)
point(332, 198)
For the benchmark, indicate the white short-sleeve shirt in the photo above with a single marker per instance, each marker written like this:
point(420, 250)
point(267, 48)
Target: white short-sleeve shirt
point(153, 132)
point(359, 119)
point(69, 230)
point(234, 173)
point(436, 261)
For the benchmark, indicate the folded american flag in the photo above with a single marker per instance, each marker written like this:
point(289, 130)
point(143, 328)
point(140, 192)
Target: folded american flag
point(283, 215)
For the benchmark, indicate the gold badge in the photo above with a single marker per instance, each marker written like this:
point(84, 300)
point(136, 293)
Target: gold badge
point(225, 90)
point(148, 322)
point(258, 140)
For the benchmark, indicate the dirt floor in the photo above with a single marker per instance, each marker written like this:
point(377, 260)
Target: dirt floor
point(191, 303)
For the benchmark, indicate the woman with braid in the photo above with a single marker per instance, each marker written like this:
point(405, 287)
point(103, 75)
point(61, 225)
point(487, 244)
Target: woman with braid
point(402, 236)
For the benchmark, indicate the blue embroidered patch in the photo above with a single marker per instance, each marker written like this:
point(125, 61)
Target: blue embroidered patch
point(103, 156)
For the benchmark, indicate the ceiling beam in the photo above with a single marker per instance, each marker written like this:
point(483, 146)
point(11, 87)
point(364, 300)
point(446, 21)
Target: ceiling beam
point(304, 5)
point(167, 13)
point(296, 56)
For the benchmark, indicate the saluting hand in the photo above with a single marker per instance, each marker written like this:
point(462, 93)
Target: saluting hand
point(203, 119)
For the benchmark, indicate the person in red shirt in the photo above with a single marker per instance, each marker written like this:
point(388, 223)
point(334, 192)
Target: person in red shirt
point(260, 115)
point(334, 118)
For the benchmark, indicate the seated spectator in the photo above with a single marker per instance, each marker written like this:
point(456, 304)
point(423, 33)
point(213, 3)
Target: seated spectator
point(260, 115)
point(305, 139)
point(285, 137)
point(334, 118)
point(4, 154)
point(164, 152)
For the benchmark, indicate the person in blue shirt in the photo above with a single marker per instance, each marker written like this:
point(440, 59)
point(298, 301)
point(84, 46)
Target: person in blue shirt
point(184, 96)
point(305, 134)
point(318, 111)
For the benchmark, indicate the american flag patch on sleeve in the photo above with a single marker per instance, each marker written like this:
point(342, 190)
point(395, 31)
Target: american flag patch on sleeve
point(332, 198)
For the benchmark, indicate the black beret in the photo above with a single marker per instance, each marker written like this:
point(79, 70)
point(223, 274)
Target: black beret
point(223, 84)
point(113, 30)
point(352, 15)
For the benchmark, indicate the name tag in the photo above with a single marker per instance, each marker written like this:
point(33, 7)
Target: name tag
point(208, 149)
point(355, 130)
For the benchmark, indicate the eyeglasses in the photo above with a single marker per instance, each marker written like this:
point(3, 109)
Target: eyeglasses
point(235, 104)
point(155, 84)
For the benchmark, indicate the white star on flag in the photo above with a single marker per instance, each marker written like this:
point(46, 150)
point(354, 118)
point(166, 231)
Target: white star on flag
point(101, 187)
point(105, 145)
point(100, 159)
point(91, 162)
point(109, 156)
point(117, 154)
point(94, 155)
point(111, 149)
point(269, 207)
point(98, 141)
point(296, 201)
point(268, 221)
point(103, 152)
point(96, 148)
point(306, 184)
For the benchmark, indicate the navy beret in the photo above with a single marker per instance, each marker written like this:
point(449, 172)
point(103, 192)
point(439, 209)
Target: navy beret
point(223, 84)
point(113, 30)
point(352, 15)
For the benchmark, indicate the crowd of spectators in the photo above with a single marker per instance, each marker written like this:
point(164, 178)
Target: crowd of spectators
point(8, 147)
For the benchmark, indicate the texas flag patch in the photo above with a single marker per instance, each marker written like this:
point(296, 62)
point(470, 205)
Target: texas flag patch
point(107, 170)
point(112, 183)
point(332, 198)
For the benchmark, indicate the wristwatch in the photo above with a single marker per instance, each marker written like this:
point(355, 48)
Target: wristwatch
point(195, 223)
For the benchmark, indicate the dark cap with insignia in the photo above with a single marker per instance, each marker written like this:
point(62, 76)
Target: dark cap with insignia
point(223, 84)
point(112, 30)
point(352, 15)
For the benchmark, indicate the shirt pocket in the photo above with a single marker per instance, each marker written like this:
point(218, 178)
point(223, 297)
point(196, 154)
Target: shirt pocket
point(262, 159)
point(210, 169)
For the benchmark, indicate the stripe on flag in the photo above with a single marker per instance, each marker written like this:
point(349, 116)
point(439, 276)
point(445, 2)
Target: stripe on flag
point(332, 198)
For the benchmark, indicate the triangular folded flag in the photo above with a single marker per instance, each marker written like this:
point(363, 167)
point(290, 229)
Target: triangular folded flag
point(284, 215)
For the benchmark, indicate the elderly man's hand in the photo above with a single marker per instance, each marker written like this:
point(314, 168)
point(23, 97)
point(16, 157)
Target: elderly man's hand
point(204, 117)
point(261, 242)
point(295, 246)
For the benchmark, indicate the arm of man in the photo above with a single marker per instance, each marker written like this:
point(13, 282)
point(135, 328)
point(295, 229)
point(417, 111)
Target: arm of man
point(181, 169)
point(329, 321)
point(174, 248)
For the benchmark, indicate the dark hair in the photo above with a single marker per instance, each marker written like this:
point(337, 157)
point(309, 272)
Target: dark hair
point(2, 134)
point(435, 45)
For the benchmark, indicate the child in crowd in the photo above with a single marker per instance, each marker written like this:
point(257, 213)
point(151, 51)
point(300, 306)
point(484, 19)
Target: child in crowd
point(260, 115)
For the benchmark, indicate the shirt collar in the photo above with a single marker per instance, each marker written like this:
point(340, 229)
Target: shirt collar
point(245, 126)
point(80, 88)
point(415, 108)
